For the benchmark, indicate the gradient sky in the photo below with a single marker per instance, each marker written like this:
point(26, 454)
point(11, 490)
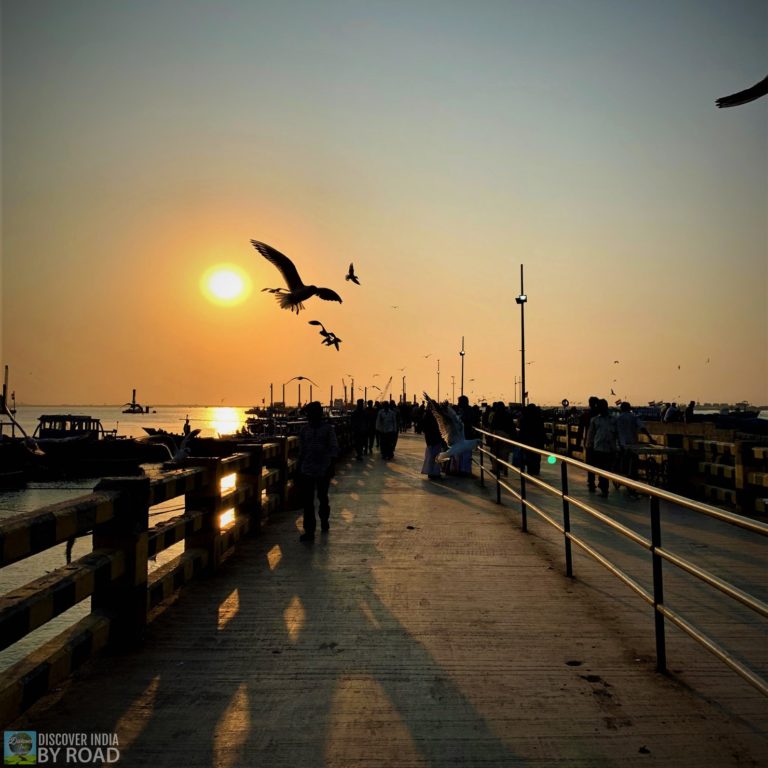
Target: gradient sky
point(436, 144)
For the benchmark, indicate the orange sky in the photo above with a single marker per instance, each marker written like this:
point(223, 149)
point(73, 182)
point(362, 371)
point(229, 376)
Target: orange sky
point(436, 146)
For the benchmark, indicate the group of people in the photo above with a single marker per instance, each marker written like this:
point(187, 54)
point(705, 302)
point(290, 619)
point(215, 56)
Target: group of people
point(607, 439)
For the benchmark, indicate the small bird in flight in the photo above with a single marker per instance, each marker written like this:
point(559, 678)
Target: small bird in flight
point(612, 392)
point(351, 275)
point(296, 293)
point(745, 96)
point(329, 337)
point(429, 355)
point(615, 361)
point(394, 306)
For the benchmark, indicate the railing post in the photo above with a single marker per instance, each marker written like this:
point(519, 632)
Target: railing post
point(566, 518)
point(482, 462)
point(253, 479)
point(658, 585)
point(124, 600)
point(523, 508)
point(208, 501)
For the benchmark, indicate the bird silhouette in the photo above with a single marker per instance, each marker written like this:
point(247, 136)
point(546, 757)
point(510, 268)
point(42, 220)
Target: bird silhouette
point(615, 361)
point(177, 453)
point(429, 355)
point(332, 340)
point(612, 392)
point(745, 96)
point(351, 274)
point(296, 293)
point(451, 429)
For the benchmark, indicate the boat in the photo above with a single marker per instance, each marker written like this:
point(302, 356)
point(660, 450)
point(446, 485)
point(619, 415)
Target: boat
point(134, 407)
point(76, 445)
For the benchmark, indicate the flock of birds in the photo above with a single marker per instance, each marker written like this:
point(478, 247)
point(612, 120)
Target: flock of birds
point(296, 293)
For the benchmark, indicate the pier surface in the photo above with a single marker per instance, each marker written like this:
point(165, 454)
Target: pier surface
point(425, 629)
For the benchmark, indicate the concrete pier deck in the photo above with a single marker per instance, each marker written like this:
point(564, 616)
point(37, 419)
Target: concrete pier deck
point(423, 630)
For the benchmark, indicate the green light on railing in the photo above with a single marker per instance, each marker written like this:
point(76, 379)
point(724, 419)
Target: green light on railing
point(551, 459)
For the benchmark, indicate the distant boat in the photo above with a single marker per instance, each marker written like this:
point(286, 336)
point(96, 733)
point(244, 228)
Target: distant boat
point(134, 407)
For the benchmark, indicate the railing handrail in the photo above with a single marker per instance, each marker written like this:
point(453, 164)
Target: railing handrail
point(683, 501)
point(658, 553)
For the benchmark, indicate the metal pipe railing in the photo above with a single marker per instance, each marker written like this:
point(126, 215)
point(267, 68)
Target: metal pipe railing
point(652, 545)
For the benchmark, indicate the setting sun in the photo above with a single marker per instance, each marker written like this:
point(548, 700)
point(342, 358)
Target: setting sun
point(225, 284)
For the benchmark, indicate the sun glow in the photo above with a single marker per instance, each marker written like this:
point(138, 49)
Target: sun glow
point(225, 284)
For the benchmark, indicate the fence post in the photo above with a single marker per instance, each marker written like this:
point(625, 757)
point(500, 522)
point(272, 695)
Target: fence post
point(523, 508)
point(658, 585)
point(208, 501)
point(253, 479)
point(124, 600)
point(566, 519)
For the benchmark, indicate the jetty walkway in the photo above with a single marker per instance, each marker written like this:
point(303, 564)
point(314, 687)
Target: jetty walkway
point(425, 629)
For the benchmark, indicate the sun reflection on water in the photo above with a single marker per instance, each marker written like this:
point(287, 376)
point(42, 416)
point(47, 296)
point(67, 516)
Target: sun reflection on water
point(224, 421)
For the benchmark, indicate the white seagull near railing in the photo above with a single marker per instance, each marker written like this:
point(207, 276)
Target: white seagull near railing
point(296, 293)
point(452, 430)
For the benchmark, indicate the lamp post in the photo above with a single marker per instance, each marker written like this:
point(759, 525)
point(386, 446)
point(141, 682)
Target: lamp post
point(461, 354)
point(403, 389)
point(521, 300)
point(453, 389)
point(352, 390)
point(271, 395)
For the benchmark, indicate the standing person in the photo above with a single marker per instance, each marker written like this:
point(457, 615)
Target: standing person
point(628, 428)
point(532, 433)
point(434, 441)
point(602, 439)
point(501, 423)
point(688, 416)
point(370, 415)
point(317, 464)
point(359, 424)
point(386, 427)
point(462, 464)
point(581, 439)
point(187, 429)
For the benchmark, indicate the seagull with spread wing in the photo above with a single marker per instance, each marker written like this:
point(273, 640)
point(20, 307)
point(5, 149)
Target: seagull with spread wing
point(351, 275)
point(451, 429)
point(296, 293)
point(745, 96)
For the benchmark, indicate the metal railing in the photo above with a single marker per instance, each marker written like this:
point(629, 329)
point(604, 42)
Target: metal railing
point(653, 545)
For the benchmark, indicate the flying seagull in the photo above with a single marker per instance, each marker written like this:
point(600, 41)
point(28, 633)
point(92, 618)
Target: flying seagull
point(177, 453)
point(351, 275)
point(332, 340)
point(296, 293)
point(451, 429)
point(745, 96)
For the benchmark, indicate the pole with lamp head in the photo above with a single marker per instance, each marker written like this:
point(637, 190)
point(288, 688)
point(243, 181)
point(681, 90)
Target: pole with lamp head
point(521, 300)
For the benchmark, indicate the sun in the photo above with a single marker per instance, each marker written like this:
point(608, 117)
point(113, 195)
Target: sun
point(225, 284)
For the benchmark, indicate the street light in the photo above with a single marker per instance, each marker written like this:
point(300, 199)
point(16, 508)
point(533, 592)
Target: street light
point(352, 390)
point(461, 354)
point(521, 300)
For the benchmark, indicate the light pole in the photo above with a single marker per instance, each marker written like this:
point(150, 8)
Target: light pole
point(461, 354)
point(352, 390)
point(403, 388)
point(521, 299)
point(438, 380)
point(271, 395)
point(453, 388)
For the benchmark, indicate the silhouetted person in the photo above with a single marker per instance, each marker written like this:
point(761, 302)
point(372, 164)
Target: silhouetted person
point(359, 425)
point(370, 415)
point(501, 423)
point(581, 438)
point(628, 429)
point(386, 427)
point(532, 433)
point(435, 444)
point(688, 416)
point(187, 429)
point(462, 464)
point(319, 449)
point(602, 440)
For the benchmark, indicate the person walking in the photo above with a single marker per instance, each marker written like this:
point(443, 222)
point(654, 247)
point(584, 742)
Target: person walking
point(602, 441)
point(581, 439)
point(386, 426)
point(317, 464)
point(370, 415)
point(359, 425)
point(532, 433)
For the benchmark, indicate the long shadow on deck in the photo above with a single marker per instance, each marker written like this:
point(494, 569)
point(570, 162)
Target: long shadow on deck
point(289, 657)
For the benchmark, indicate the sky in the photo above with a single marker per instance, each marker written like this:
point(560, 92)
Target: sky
point(436, 144)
